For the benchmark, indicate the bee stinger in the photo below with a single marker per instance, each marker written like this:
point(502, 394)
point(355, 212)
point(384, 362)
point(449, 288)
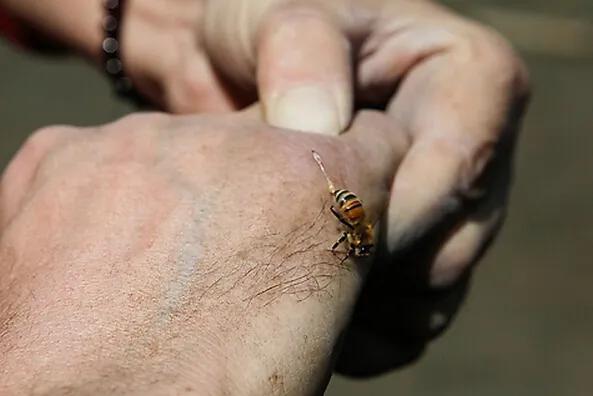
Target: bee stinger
point(349, 210)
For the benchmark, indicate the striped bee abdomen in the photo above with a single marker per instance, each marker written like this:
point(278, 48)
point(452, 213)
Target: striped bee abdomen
point(350, 205)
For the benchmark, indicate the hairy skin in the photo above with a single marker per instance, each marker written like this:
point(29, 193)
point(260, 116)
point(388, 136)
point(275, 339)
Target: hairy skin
point(168, 254)
point(455, 86)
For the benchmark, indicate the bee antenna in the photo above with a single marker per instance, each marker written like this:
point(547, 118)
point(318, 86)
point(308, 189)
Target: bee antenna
point(317, 159)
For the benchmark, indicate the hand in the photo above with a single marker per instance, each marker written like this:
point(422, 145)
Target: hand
point(162, 254)
point(459, 92)
point(454, 86)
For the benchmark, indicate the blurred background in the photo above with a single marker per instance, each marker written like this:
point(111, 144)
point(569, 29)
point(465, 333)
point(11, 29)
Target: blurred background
point(527, 327)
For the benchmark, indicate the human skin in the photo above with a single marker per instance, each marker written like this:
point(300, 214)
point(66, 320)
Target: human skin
point(455, 87)
point(181, 254)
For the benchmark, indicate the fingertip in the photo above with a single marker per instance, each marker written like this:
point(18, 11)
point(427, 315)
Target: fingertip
point(304, 72)
point(307, 108)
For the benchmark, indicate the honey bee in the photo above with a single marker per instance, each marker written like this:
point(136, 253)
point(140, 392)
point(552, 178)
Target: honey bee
point(350, 212)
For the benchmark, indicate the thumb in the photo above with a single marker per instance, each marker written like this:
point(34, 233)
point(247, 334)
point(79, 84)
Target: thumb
point(295, 55)
point(304, 72)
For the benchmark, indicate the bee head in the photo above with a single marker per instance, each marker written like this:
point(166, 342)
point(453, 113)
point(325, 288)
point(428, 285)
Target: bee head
point(365, 250)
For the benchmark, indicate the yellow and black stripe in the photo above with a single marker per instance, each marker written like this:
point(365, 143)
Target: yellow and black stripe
point(349, 205)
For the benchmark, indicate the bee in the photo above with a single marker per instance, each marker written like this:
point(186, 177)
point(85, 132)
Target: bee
point(350, 212)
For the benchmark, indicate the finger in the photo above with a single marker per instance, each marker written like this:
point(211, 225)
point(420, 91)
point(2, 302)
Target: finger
point(463, 249)
point(304, 71)
point(195, 87)
point(179, 76)
point(384, 63)
point(377, 145)
point(457, 106)
point(434, 182)
point(379, 142)
point(417, 298)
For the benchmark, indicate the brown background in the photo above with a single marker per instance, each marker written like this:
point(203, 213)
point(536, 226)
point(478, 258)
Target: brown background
point(527, 328)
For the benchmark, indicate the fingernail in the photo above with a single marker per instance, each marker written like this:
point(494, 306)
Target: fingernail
point(309, 109)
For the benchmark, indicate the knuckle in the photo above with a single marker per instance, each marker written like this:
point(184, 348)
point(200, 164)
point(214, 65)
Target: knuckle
point(34, 152)
point(46, 137)
point(144, 118)
point(495, 55)
point(290, 15)
point(499, 51)
point(135, 121)
point(43, 140)
point(291, 10)
point(127, 134)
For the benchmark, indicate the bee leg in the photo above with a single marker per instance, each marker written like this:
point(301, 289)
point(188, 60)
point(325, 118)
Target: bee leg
point(341, 218)
point(339, 241)
point(351, 253)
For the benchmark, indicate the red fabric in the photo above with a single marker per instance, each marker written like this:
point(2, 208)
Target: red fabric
point(12, 30)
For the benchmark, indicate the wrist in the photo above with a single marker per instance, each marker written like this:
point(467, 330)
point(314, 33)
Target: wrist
point(75, 24)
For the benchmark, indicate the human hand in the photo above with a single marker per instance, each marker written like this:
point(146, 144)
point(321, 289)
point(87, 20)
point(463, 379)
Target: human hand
point(458, 90)
point(441, 64)
point(165, 253)
point(454, 86)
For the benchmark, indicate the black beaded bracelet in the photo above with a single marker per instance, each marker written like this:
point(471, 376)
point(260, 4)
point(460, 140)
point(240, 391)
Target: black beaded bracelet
point(112, 23)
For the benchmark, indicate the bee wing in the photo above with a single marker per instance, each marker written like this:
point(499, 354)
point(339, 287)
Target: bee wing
point(321, 165)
